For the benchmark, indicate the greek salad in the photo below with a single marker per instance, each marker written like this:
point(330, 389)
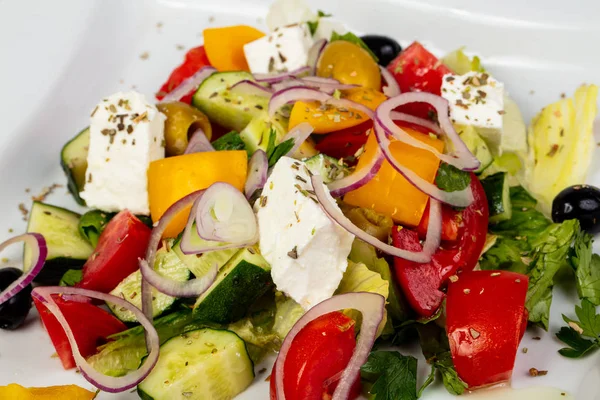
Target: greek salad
point(319, 196)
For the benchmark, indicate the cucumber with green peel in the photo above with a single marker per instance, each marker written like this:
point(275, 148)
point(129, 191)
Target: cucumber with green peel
point(328, 167)
point(206, 364)
point(477, 145)
point(67, 249)
point(200, 264)
point(169, 265)
point(230, 110)
point(245, 278)
point(497, 191)
point(73, 159)
point(256, 134)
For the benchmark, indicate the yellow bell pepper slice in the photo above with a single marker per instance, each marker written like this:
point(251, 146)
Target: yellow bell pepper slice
point(326, 119)
point(173, 178)
point(389, 193)
point(66, 392)
point(182, 121)
point(225, 46)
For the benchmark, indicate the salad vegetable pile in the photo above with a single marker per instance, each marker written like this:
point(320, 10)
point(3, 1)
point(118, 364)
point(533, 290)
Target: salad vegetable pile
point(313, 194)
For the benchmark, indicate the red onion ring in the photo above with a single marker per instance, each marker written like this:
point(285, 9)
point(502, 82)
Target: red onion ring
point(274, 78)
point(399, 116)
point(391, 87)
point(224, 215)
point(258, 167)
point(314, 53)
point(336, 215)
point(464, 159)
point(39, 252)
point(288, 83)
point(434, 227)
point(372, 308)
point(299, 134)
point(198, 143)
point(293, 94)
point(326, 85)
point(247, 87)
point(460, 198)
point(358, 178)
point(103, 382)
point(188, 84)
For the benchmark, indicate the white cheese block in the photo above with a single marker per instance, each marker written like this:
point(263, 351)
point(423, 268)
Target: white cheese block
point(284, 49)
point(307, 250)
point(126, 134)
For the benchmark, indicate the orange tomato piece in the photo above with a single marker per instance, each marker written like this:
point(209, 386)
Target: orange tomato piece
point(389, 193)
point(225, 46)
point(66, 392)
point(327, 119)
point(173, 178)
point(350, 64)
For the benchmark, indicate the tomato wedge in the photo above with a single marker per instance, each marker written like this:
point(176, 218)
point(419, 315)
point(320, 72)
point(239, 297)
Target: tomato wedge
point(346, 142)
point(485, 315)
point(417, 70)
point(194, 60)
point(320, 351)
point(91, 326)
point(422, 283)
point(451, 220)
point(121, 244)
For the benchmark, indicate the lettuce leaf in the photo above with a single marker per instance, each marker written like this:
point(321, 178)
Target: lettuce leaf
point(460, 63)
point(587, 269)
point(561, 141)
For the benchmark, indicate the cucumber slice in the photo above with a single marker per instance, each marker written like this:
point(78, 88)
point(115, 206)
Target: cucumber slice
point(241, 281)
point(256, 134)
point(328, 167)
point(206, 364)
point(232, 111)
point(73, 159)
point(67, 249)
point(477, 146)
point(167, 264)
point(200, 264)
point(497, 190)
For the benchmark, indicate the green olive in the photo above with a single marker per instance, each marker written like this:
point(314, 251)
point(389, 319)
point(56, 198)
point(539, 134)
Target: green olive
point(182, 121)
point(371, 222)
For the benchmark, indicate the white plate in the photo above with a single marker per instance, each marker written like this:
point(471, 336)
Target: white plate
point(58, 58)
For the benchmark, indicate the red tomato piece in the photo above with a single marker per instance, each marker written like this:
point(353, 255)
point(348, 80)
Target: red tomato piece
point(344, 143)
point(121, 244)
point(194, 60)
point(417, 70)
point(320, 351)
point(485, 313)
point(91, 326)
point(451, 220)
point(422, 283)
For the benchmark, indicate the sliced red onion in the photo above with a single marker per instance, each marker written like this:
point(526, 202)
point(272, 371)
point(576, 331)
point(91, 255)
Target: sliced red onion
point(198, 143)
point(247, 87)
point(460, 198)
point(258, 167)
point(103, 382)
point(299, 134)
point(463, 158)
point(39, 252)
point(326, 85)
point(329, 206)
point(224, 215)
point(391, 87)
point(358, 178)
point(188, 84)
point(314, 53)
point(399, 116)
point(288, 83)
point(294, 94)
point(372, 308)
point(434, 227)
point(274, 78)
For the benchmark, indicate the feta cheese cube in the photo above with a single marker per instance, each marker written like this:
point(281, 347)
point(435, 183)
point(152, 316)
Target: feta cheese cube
point(126, 134)
point(476, 99)
point(307, 250)
point(284, 49)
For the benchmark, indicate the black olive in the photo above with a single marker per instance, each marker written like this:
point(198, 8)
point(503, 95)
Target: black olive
point(581, 202)
point(14, 311)
point(385, 48)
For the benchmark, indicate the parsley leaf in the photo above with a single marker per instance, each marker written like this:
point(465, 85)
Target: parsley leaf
point(393, 375)
point(271, 143)
point(587, 326)
point(587, 268)
point(313, 25)
point(452, 179)
point(280, 150)
point(352, 38)
point(71, 278)
point(229, 141)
